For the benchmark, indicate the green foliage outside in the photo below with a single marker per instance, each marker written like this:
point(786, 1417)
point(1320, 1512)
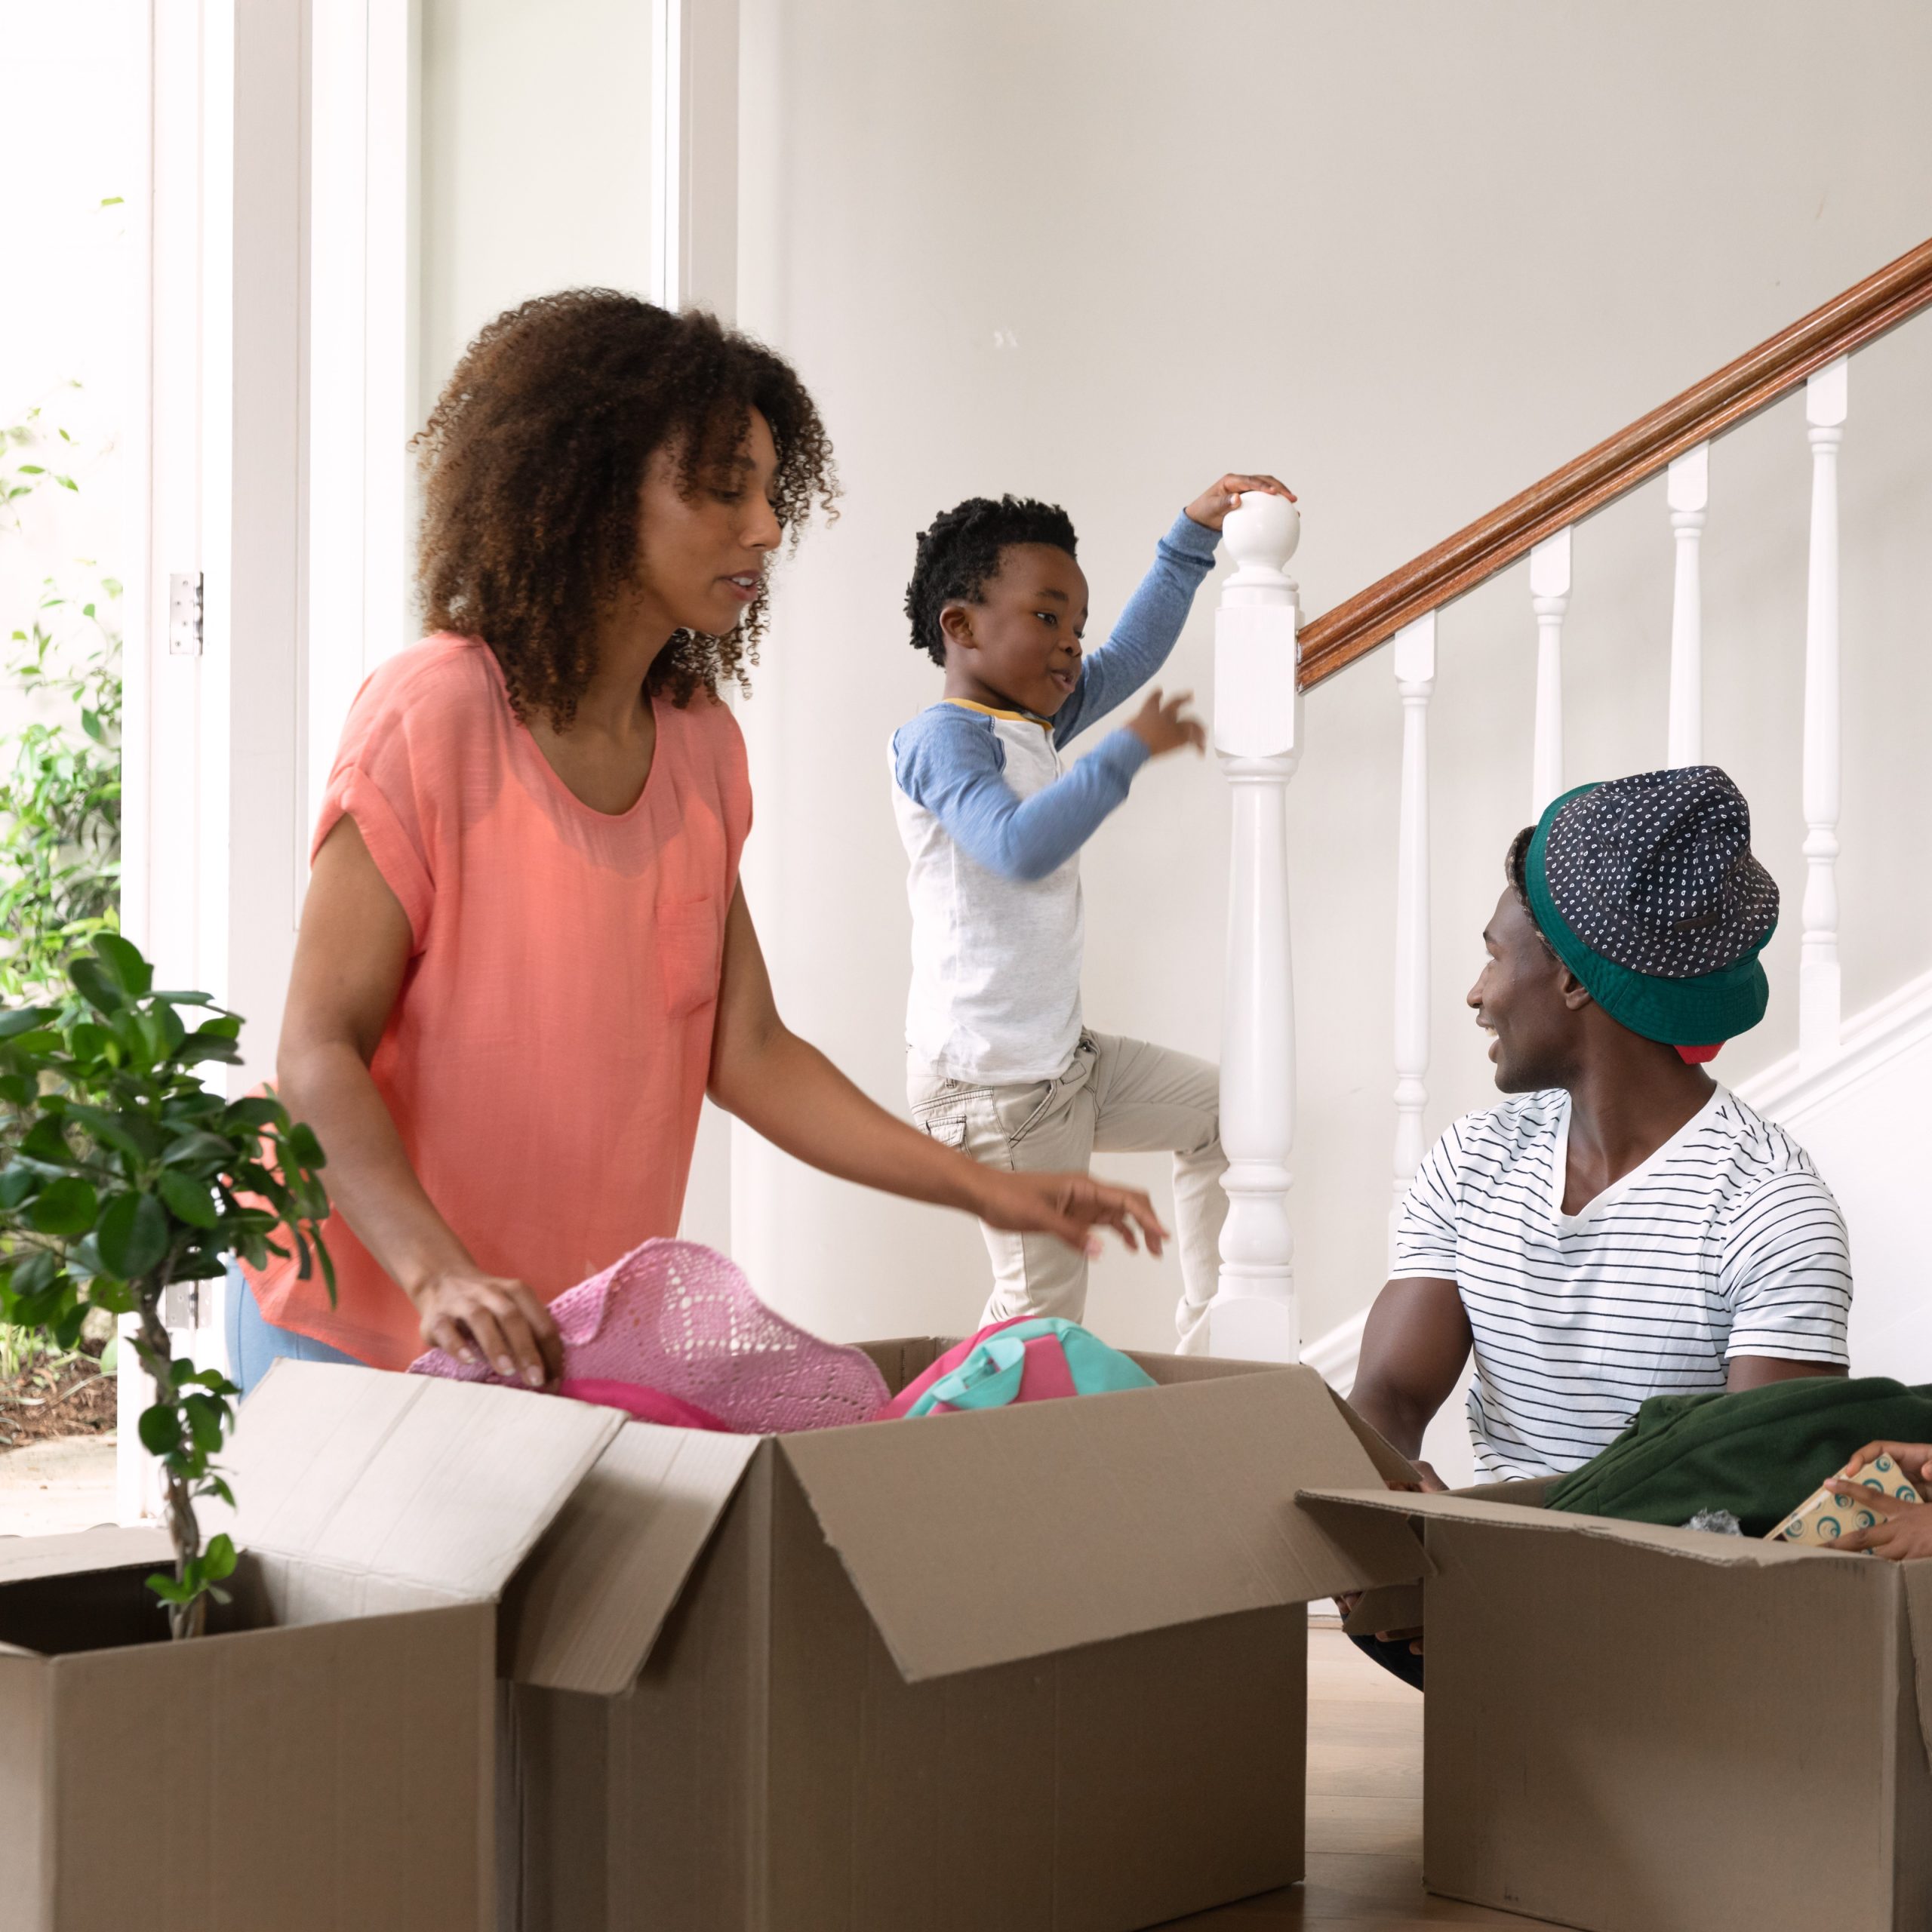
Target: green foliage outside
point(60, 775)
point(60, 779)
point(127, 1174)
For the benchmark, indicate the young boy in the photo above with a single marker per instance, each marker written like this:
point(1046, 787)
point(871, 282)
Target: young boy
point(999, 1063)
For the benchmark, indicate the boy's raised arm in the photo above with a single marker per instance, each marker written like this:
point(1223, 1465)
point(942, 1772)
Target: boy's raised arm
point(1151, 625)
point(1148, 629)
point(948, 761)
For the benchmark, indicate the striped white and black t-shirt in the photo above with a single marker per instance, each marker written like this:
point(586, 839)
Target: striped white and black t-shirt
point(1724, 1242)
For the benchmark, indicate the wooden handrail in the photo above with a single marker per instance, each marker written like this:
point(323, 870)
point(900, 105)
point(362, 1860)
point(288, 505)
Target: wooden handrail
point(1338, 637)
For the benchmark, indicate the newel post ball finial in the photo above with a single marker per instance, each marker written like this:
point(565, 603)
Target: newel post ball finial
point(1261, 535)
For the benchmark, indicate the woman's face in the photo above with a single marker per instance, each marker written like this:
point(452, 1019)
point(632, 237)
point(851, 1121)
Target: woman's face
point(701, 559)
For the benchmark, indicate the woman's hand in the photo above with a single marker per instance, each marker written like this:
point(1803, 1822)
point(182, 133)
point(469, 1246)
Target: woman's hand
point(1210, 509)
point(1162, 723)
point(470, 1314)
point(1071, 1206)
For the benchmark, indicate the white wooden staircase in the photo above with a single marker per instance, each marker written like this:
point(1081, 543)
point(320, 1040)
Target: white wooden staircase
point(1853, 1091)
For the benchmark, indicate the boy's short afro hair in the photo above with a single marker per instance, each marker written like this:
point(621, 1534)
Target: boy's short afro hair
point(960, 550)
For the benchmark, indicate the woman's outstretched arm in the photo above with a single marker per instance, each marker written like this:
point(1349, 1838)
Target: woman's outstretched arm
point(791, 1094)
point(349, 960)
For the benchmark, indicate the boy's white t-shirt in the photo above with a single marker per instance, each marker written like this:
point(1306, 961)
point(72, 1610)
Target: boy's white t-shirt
point(995, 993)
point(992, 823)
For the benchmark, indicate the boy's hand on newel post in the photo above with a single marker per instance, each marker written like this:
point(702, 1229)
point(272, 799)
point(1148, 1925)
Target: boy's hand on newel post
point(1161, 723)
point(1210, 509)
point(1071, 1206)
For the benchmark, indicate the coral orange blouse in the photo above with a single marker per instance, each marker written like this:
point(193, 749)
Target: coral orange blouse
point(547, 1055)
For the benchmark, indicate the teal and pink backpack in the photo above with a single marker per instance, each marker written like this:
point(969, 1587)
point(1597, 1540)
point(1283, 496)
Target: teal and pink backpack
point(1030, 1358)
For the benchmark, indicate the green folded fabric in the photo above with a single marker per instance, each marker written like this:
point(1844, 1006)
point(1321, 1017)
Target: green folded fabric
point(1758, 1454)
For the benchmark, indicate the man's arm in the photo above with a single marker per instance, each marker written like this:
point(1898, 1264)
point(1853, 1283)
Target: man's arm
point(1754, 1371)
point(1413, 1348)
point(1787, 1268)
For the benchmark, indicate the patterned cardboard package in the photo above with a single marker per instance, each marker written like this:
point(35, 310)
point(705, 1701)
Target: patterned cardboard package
point(1821, 1518)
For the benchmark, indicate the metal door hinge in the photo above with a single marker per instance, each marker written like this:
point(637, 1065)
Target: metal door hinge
point(181, 1304)
point(184, 614)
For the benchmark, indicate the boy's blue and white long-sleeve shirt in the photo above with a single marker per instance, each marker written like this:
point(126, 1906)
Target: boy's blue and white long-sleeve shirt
point(993, 824)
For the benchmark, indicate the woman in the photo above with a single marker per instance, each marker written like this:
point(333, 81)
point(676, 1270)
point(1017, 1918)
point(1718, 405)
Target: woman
point(524, 956)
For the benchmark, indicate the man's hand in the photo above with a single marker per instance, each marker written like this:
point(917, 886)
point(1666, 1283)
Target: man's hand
point(470, 1314)
point(1071, 1206)
point(1903, 1531)
point(1210, 509)
point(1915, 1459)
point(1161, 725)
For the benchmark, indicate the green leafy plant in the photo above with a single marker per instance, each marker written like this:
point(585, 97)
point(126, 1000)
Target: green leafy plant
point(60, 798)
point(126, 1174)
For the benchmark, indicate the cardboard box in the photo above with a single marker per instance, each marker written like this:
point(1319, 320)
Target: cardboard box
point(1632, 1729)
point(323, 1760)
point(1040, 1667)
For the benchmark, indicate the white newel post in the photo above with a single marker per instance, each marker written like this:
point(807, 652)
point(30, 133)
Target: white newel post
point(1258, 736)
point(1414, 654)
point(1549, 597)
point(1826, 397)
point(1687, 487)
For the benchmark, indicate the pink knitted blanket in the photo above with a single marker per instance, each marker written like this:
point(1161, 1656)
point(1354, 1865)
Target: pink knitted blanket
point(680, 1318)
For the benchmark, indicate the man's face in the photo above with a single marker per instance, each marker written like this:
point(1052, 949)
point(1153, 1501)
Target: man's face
point(1021, 640)
point(1526, 998)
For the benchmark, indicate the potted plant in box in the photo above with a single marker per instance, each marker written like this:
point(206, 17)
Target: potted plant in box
point(125, 1174)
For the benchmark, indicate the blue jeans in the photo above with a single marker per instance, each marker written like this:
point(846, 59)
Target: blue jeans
point(254, 1342)
point(1396, 1658)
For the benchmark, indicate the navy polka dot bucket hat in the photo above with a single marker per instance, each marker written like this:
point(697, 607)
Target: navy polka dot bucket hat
point(1648, 890)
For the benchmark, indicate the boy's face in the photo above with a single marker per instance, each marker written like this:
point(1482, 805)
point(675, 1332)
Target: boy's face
point(1018, 648)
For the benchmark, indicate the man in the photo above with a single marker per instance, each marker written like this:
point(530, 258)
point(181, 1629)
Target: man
point(1625, 1227)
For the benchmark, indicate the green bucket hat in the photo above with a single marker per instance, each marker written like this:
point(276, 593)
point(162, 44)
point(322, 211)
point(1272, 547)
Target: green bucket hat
point(1646, 888)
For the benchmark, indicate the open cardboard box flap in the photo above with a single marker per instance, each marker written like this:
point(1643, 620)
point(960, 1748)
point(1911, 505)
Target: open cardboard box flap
point(586, 1611)
point(410, 1478)
point(1701, 1545)
point(24, 1559)
point(980, 1539)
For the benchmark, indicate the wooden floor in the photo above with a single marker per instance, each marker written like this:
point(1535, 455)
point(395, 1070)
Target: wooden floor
point(1364, 1810)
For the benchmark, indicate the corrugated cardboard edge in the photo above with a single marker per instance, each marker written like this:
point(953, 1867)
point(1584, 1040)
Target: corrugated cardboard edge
point(22, 1559)
point(588, 1606)
point(1700, 1545)
point(1916, 1579)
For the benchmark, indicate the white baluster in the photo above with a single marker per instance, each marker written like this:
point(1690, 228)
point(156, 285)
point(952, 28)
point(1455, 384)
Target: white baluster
point(1414, 653)
point(1687, 489)
point(1258, 736)
point(1826, 398)
point(1549, 597)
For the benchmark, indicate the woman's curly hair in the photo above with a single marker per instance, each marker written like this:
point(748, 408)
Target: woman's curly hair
point(959, 552)
point(533, 461)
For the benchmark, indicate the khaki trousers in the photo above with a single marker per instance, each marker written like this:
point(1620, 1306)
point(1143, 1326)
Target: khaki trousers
point(1116, 1096)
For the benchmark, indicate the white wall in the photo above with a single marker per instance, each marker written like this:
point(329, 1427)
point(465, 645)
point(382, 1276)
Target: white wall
point(1411, 257)
point(536, 159)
